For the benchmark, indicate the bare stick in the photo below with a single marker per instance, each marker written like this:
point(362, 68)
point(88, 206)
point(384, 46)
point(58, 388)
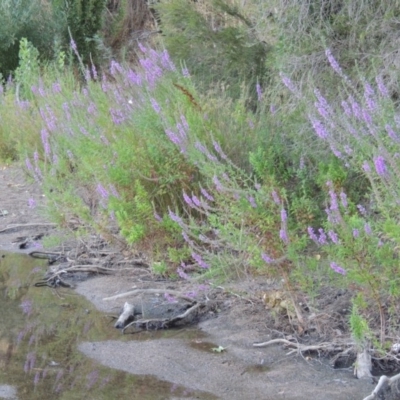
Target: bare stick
point(17, 226)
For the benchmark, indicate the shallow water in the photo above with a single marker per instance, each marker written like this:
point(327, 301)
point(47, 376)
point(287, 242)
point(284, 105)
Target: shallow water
point(40, 329)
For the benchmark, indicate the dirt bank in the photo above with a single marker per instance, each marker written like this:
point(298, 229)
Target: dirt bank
point(238, 320)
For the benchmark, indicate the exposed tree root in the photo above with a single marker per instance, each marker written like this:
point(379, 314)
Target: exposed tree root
point(301, 348)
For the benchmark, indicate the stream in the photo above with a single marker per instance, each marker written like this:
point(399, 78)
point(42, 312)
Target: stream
point(40, 329)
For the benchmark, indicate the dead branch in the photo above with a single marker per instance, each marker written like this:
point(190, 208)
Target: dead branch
point(386, 389)
point(150, 291)
point(21, 226)
point(304, 348)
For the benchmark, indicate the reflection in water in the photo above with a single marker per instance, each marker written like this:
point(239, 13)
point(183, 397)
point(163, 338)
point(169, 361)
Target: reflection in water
point(39, 332)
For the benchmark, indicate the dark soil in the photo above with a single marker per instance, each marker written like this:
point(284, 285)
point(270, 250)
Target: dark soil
point(237, 315)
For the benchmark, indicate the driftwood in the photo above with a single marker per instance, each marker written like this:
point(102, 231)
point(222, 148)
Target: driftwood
point(149, 291)
point(127, 314)
point(22, 226)
point(386, 389)
point(163, 323)
point(300, 348)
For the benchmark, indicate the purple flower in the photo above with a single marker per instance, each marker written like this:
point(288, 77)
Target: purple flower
point(356, 233)
point(218, 149)
point(175, 218)
point(188, 200)
point(392, 134)
point(283, 236)
point(252, 201)
point(337, 268)
point(287, 82)
point(276, 198)
point(142, 48)
point(362, 210)
point(343, 198)
point(334, 64)
point(155, 106)
point(117, 116)
point(200, 261)
point(217, 184)
point(258, 90)
point(319, 128)
point(381, 87)
point(312, 235)
point(56, 87)
point(380, 165)
point(346, 108)
point(92, 109)
point(322, 236)
point(37, 378)
point(169, 298)
point(73, 46)
point(196, 201)
point(28, 164)
point(115, 67)
point(26, 306)
point(182, 273)
point(102, 191)
point(187, 239)
point(206, 194)
point(283, 215)
point(45, 141)
point(31, 203)
point(333, 237)
point(367, 229)
point(157, 217)
point(366, 167)
point(334, 203)
point(266, 258)
point(185, 72)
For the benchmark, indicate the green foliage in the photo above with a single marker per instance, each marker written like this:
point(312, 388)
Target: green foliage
point(84, 19)
point(358, 324)
point(215, 50)
point(26, 19)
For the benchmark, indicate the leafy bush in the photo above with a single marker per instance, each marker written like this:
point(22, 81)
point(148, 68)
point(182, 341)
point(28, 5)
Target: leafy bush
point(31, 19)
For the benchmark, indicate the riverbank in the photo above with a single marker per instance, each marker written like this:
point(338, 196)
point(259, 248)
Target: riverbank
point(240, 319)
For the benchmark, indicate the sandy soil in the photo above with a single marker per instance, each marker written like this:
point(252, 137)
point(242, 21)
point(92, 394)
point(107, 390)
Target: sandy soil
point(239, 372)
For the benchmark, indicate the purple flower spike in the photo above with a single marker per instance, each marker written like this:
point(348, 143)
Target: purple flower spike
point(380, 165)
point(259, 92)
point(343, 198)
point(206, 194)
point(334, 64)
point(338, 268)
point(319, 128)
point(200, 261)
point(312, 234)
point(333, 237)
point(283, 236)
point(188, 200)
point(381, 87)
